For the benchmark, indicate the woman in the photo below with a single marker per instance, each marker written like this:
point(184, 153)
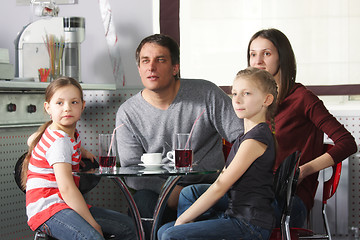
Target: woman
point(301, 120)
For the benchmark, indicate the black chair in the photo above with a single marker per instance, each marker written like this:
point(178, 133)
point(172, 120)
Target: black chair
point(86, 184)
point(329, 189)
point(285, 181)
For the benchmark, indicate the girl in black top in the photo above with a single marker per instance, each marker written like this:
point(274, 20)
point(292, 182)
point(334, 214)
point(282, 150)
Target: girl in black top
point(246, 181)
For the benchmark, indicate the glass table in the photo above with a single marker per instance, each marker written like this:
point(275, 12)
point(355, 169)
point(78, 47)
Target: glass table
point(173, 176)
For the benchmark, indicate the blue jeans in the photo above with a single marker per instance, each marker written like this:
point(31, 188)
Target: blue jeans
point(68, 224)
point(298, 213)
point(224, 227)
point(190, 194)
point(213, 224)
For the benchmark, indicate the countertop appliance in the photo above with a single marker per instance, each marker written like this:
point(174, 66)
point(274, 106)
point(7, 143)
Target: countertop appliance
point(31, 52)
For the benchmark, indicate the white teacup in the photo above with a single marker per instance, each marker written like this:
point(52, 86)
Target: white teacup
point(151, 158)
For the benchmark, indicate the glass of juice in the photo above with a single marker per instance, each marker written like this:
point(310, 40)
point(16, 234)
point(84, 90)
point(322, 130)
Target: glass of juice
point(183, 152)
point(107, 153)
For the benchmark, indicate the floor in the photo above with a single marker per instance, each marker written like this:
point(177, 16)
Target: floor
point(344, 238)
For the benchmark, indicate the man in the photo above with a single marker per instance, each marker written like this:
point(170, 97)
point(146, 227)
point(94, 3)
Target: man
point(169, 105)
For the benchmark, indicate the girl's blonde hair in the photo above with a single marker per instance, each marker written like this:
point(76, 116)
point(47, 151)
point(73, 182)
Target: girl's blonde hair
point(266, 83)
point(49, 93)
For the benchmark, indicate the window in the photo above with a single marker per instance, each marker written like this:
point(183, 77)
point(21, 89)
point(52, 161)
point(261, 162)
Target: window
point(324, 35)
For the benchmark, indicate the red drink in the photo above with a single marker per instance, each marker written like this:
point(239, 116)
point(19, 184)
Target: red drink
point(107, 161)
point(183, 159)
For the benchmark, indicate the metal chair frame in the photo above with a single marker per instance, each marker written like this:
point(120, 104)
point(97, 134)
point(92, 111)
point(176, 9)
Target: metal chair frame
point(285, 182)
point(329, 190)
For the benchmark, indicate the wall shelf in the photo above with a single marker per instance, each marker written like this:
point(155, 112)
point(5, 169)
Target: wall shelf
point(41, 86)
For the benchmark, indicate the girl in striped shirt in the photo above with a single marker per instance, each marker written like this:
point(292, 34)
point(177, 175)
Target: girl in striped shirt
point(54, 203)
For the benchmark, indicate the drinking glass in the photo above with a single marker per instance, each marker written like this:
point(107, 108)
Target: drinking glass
point(183, 152)
point(107, 152)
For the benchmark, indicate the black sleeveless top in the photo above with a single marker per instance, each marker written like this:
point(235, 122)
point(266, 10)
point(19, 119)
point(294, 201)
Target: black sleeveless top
point(252, 194)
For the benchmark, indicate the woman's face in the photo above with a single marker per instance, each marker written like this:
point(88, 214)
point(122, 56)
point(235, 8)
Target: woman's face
point(264, 55)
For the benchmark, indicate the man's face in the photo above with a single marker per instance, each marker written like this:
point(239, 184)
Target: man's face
point(155, 67)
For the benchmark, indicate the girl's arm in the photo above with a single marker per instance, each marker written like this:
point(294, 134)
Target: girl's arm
point(248, 152)
point(86, 154)
point(71, 194)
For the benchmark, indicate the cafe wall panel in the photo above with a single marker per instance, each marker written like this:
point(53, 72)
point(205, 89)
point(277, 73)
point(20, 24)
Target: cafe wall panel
point(12, 199)
point(98, 117)
point(343, 208)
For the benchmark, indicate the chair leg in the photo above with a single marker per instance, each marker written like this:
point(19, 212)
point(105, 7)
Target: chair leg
point(40, 235)
point(285, 232)
point(326, 223)
point(327, 234)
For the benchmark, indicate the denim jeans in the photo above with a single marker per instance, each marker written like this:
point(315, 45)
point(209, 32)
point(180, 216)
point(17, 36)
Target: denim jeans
point(190, 194)
point(213, 224)
point(298, 213)
point(68, 224)
point(224, 227)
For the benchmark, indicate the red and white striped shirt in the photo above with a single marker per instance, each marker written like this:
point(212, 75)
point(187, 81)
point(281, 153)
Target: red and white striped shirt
point(43, 198)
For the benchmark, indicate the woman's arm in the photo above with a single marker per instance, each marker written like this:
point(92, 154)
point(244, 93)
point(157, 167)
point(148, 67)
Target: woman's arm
point(344, 142)
point(315, 165)
point(71, 194)
point(248, 152)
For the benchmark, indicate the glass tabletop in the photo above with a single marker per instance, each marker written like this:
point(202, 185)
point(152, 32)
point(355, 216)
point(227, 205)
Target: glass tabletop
point(138, 171)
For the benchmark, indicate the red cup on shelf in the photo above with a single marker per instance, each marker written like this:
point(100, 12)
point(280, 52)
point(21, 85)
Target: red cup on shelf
point(44, 74)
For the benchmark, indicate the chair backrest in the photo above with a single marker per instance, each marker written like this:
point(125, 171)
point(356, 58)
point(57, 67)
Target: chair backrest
point(17, 171)
point(226, 148)
point(285, 181)
point(86, 182)
point(331, 184)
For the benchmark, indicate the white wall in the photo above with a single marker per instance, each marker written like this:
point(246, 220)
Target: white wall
point(214, 36)
point(133, 21)
point(324, 34)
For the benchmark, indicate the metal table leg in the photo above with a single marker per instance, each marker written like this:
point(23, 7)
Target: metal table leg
point(161, 203)
point(133, 207)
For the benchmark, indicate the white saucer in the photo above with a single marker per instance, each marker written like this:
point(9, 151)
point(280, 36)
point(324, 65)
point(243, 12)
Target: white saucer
point(151, 165)
point(153, 171)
